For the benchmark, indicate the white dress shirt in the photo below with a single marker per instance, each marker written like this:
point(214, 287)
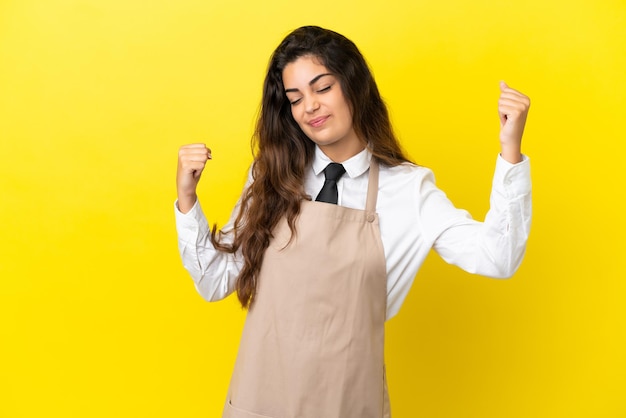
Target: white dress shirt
point(414, 216)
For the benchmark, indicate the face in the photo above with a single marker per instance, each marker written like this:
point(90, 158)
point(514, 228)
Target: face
point(320, 109)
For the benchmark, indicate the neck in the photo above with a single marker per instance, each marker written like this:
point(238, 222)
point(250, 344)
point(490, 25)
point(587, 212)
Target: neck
point(339, 154)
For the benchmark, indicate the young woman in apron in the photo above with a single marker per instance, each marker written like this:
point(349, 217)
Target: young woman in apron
point(330, 231)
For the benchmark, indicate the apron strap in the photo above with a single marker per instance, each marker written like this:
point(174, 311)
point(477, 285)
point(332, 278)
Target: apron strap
point(372, 191)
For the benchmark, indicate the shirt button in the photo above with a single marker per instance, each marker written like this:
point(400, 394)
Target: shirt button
point(370, 217)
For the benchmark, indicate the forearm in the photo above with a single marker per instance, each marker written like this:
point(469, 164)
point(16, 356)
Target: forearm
point(512, 153)
point(214, 272)
point(495, 247)
point(186, 201)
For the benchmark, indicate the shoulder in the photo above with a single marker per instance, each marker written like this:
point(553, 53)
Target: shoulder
point(404, 174)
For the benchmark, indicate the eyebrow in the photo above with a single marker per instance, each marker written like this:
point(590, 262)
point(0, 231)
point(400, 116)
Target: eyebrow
point(310, 82)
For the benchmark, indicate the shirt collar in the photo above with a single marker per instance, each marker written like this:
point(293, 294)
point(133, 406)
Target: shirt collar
point(355, 166)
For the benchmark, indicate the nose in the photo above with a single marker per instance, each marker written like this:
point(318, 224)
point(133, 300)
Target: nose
point(311, 104)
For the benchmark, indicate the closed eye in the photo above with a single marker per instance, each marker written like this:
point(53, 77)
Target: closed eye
point(319, 91)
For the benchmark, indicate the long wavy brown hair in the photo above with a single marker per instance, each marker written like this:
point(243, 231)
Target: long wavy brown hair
point(284, 152)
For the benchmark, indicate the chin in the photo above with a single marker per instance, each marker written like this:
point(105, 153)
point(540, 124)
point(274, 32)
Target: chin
point(322, 139)
point(323, 143)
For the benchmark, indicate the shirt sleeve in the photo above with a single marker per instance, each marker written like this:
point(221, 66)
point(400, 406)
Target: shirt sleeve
point(495, 247)
point(214, 272)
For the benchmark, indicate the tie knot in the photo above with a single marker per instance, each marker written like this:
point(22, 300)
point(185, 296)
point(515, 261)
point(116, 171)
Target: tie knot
point(334, 171)
point(329, 192)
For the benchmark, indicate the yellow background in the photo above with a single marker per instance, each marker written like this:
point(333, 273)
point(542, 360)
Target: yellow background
point(98, 317)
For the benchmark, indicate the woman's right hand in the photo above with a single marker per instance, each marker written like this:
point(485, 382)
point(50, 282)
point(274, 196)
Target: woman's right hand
point(191, 161)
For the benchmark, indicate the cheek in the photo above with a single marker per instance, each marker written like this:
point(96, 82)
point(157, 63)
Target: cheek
point(346, 116)
point(346, 113)
point(297, 116)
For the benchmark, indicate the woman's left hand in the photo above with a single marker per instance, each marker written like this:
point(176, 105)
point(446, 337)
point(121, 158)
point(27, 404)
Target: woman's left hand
point(513, 109)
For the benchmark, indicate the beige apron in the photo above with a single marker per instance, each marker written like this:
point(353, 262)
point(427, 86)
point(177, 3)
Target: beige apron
point(312, 345)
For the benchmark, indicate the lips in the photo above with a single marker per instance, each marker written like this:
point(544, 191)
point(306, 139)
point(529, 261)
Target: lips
point(317, 122)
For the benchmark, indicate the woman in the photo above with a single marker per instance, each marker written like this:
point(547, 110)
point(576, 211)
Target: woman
point(321, 277)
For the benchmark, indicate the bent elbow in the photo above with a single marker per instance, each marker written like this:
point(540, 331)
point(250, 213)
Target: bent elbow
point(210, 294)
point(508, 270)
point(507, 275)
point(214, 290)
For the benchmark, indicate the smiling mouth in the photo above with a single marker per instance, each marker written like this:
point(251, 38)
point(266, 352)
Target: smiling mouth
point(317, 122)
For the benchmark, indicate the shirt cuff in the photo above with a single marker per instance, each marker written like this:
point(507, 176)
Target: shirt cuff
point(512, 179)
point(192, 223)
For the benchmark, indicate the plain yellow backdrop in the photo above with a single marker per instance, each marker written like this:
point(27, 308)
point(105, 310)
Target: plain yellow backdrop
point(98, 317)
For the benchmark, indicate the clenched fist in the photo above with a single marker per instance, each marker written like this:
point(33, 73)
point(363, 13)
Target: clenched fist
point(513, 109)
point(191, 161)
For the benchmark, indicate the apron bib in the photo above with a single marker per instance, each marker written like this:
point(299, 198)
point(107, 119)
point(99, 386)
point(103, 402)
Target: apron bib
point(313, 341)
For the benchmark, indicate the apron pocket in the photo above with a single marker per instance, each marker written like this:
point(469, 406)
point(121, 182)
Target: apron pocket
point(234, 412)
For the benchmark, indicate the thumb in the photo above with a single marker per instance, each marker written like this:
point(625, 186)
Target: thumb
point(503, 85)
